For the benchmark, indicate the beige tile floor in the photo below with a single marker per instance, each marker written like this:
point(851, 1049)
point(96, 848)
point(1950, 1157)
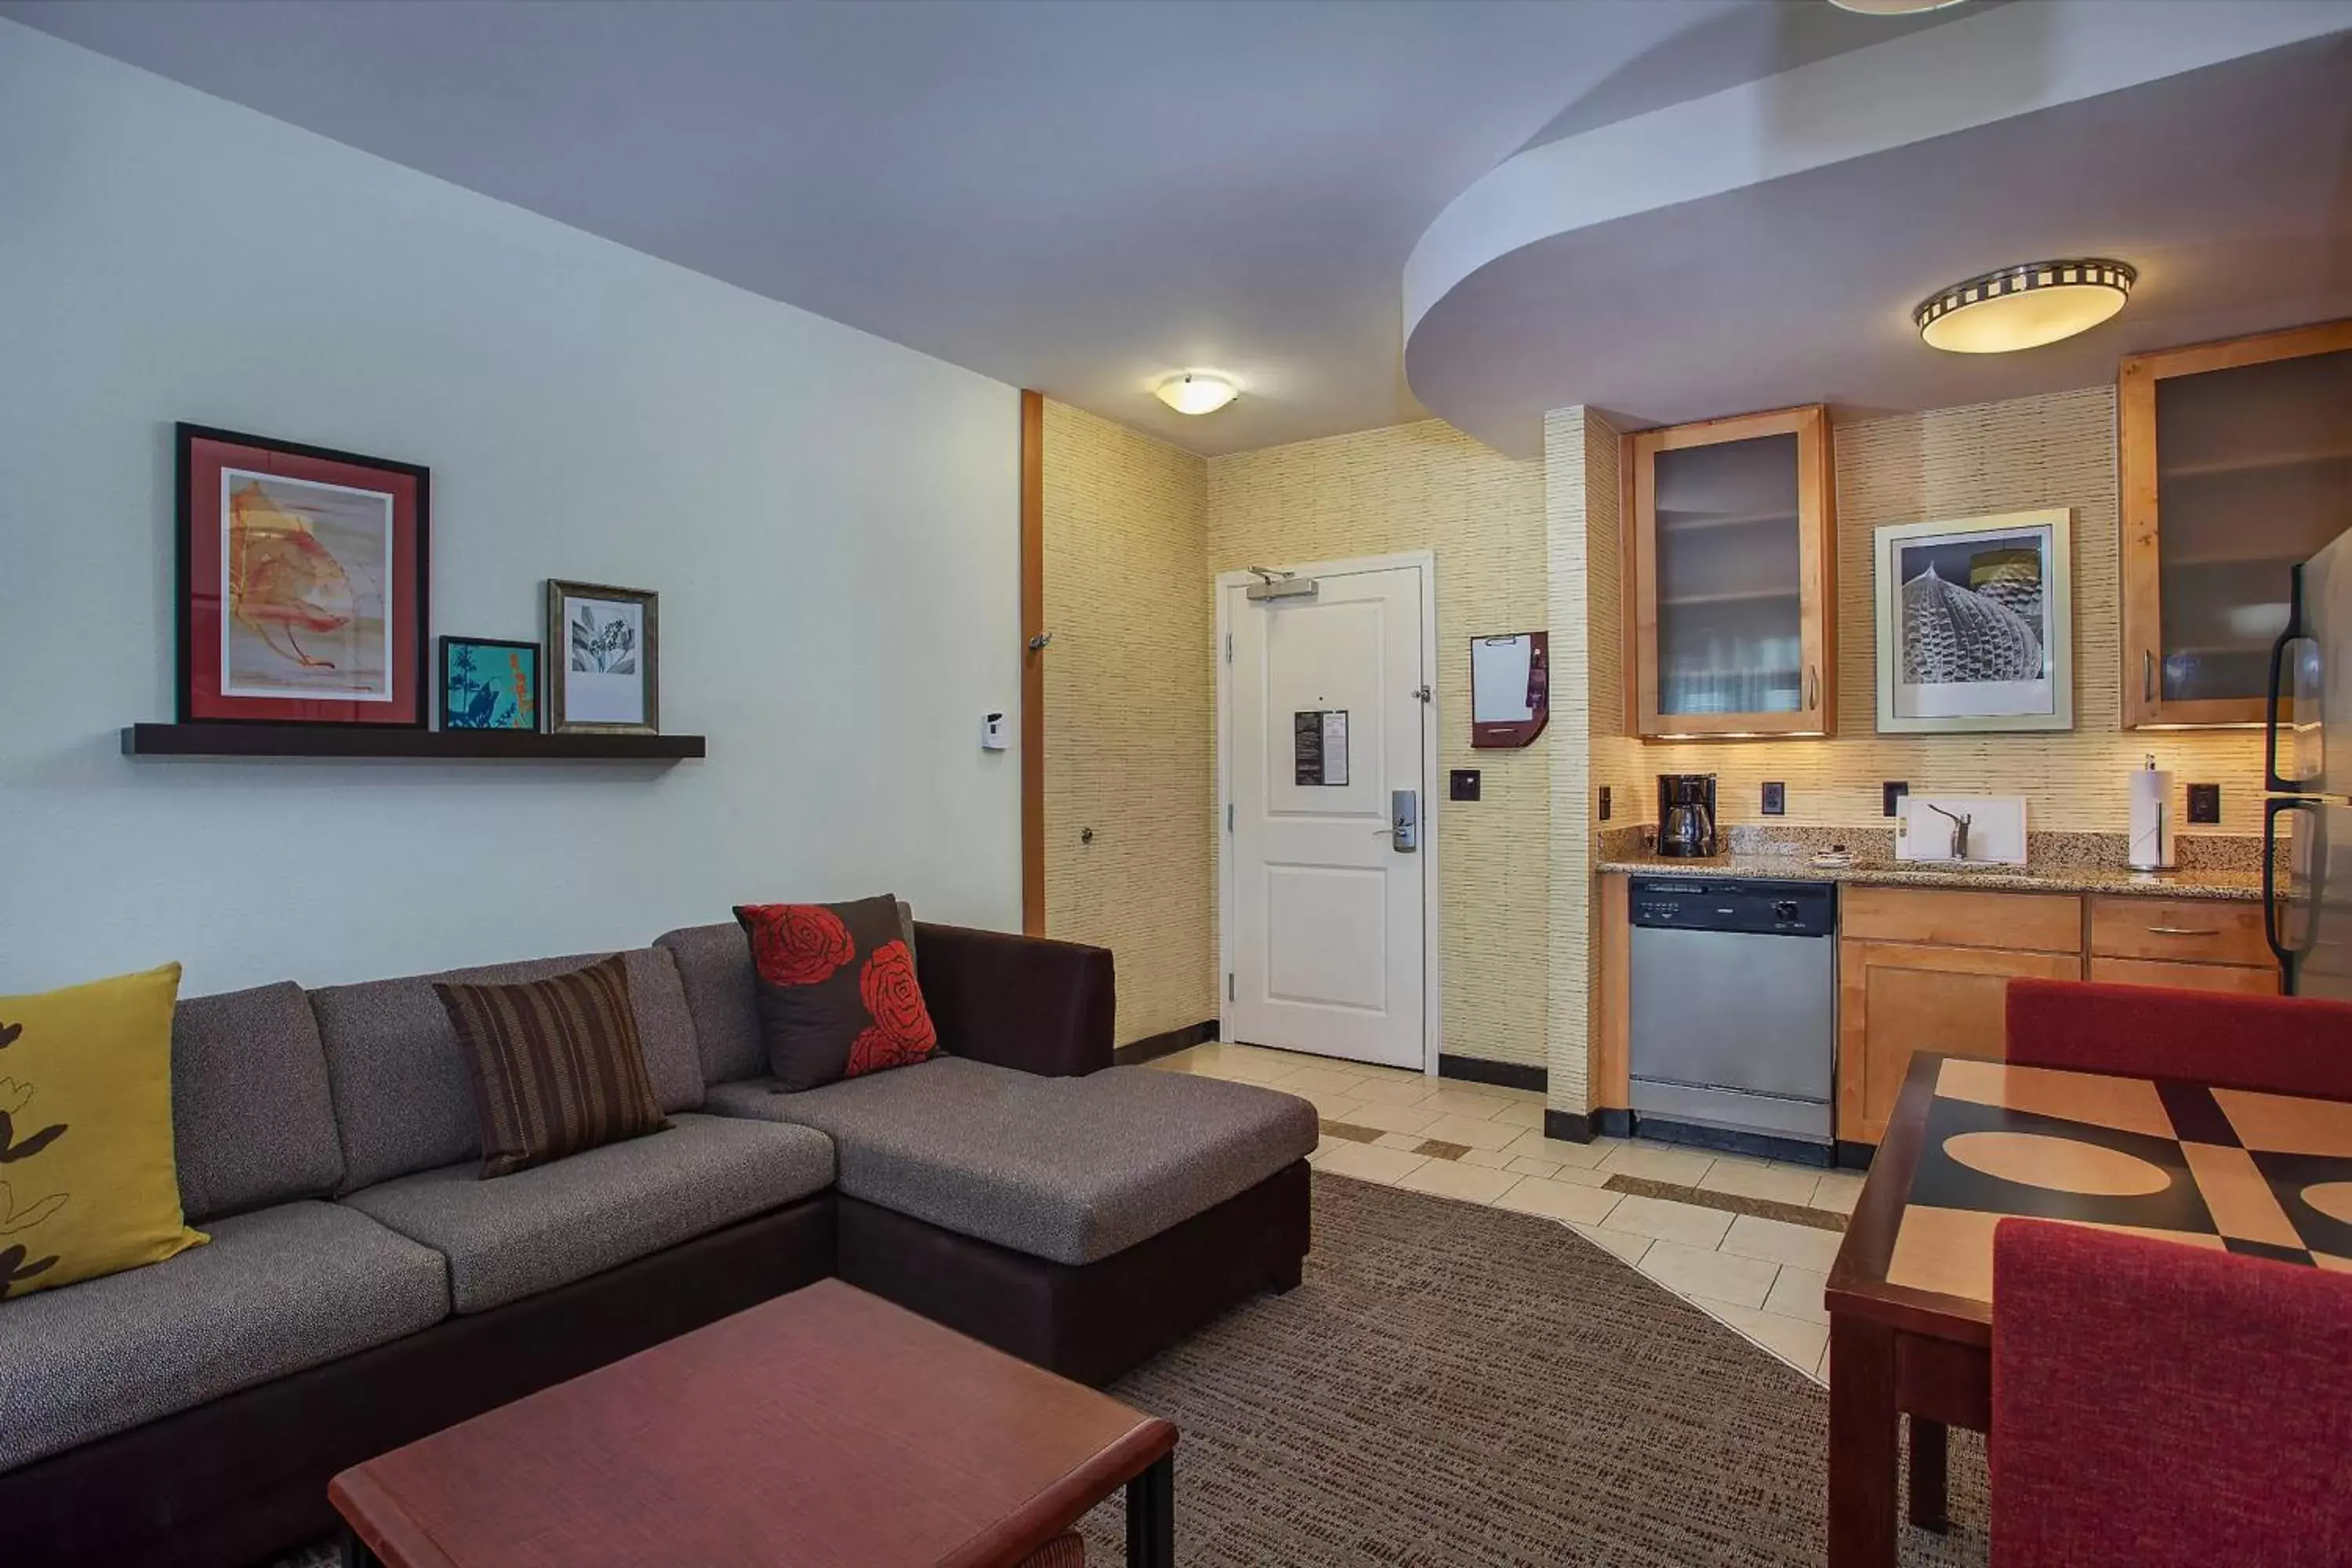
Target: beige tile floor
point(1760, 1277)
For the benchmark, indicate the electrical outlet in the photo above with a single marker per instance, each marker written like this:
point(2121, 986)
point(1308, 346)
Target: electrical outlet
point(1604, 802)
point(2205, 802)
point(1464, 782)
point(1776, 799)
point(1890, 792)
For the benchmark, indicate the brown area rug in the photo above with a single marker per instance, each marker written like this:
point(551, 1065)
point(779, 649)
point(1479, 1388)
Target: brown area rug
point(1454, 1386)
point(1458, 1385)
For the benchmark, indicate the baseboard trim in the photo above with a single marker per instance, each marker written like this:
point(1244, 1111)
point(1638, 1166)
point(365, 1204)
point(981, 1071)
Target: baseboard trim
point(1167, 1042)
point(1508, 1075)
point(1613, 1124)
point(1568, 1126)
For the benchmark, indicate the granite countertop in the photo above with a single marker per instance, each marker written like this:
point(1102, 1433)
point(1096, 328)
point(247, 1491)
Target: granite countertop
point(2029, 878)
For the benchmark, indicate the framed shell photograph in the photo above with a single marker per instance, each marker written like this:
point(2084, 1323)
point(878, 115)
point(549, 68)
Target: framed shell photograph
point(602, 652)
point(1976, 625)
point(302, 582)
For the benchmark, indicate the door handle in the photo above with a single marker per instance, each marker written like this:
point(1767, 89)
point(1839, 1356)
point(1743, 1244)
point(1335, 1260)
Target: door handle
point(2147, 675)
point(2183, 931)
point(1812, 687)
point(1404, 820)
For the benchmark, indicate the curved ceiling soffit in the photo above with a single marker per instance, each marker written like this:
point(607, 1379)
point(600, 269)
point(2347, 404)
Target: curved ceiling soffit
point(2012, 60)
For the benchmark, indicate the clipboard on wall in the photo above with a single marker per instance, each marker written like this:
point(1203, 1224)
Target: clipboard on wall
point(1510, 689)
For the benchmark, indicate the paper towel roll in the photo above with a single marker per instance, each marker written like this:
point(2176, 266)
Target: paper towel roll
point(2151, 820)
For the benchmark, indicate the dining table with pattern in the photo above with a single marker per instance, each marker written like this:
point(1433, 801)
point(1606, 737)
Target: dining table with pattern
point(1971, 1142)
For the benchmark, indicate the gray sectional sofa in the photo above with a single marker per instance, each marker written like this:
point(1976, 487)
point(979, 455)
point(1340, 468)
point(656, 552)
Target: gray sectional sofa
point(362, 1288)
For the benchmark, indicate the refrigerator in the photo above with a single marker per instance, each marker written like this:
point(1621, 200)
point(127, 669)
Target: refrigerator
point(2307, 818)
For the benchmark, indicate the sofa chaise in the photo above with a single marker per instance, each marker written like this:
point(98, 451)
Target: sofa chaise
point(362, 1288)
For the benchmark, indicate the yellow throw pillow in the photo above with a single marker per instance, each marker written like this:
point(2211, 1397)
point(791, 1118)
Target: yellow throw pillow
point(88, 1185)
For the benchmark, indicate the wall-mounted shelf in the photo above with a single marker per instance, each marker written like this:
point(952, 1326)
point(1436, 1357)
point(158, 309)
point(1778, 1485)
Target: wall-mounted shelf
point(427, 746)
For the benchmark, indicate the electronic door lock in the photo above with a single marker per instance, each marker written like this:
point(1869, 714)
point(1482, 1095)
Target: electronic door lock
point(1404, 819)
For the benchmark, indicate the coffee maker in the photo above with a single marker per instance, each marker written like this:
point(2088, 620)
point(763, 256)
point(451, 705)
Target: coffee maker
point(1687, 815)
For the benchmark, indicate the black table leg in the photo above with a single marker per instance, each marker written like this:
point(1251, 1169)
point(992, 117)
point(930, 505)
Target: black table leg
point(1928, 1509)
point(1151, 1517)
point(356, 1553)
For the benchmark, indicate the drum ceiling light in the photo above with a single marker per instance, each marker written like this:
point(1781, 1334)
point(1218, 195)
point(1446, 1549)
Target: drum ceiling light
point(1197, 392)
point(2023, 307)
point(1892, 8)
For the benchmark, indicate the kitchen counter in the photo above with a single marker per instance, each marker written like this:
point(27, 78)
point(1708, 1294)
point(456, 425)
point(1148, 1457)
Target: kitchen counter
point(2028, 879)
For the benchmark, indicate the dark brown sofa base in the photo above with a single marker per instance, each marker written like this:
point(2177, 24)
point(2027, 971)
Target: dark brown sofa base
point(1094, 1322)
point(234, 1481)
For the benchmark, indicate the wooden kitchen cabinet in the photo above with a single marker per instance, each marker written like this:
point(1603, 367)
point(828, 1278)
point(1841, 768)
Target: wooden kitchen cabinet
point(2195, 944)
point(2237, 979)
point(2236, 464)
point(1894, 998)
point(1730, 577)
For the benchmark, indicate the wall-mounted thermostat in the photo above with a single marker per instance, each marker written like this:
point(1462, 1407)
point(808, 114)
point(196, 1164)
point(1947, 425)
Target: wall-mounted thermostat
point(993, 735)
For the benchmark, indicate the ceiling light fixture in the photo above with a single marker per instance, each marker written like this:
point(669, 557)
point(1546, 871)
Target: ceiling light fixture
point(1892, 8)
point(1197, 392)
point(2023, 307)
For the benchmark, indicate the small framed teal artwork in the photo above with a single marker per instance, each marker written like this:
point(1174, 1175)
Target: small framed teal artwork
point(487, 684)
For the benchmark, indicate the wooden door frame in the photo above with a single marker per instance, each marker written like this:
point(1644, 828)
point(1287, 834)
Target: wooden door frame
point(1817, 574)
point(2140, 538)
point(1033, 663)
point(1432, 1034)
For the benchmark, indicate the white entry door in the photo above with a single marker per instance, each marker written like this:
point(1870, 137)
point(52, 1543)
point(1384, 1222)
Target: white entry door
point(1328, 740)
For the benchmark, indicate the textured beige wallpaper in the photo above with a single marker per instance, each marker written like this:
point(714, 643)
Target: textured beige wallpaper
point(2055, 450)
point(1416, 487)
point(1130, 714)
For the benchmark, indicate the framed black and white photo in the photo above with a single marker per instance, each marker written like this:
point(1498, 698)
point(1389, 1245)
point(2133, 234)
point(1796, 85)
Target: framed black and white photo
point(1976, 627)
point(603, 647)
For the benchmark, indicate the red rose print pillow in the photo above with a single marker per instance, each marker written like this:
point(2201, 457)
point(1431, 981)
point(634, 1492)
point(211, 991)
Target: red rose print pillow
point(837, 991)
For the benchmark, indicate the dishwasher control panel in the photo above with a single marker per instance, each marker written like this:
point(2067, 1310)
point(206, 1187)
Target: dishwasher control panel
point(1716, 904)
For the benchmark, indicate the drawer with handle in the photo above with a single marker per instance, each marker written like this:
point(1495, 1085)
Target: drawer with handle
point(2190, 931)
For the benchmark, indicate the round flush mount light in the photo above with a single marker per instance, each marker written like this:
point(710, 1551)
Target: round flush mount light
point(2023, 307)
point(1892, 8)
point(1197, 392)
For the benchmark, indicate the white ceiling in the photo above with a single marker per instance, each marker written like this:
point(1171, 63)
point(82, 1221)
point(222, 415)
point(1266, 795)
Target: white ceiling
point(1084, 197)
point(1078, 198)
point(1765, 247)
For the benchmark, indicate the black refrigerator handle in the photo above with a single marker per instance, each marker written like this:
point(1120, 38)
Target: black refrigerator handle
point(2271, 689)
point(2288, 957)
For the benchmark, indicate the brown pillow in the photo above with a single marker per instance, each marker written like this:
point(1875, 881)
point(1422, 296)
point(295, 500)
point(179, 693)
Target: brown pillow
point(838, 996)
point(555, 1066)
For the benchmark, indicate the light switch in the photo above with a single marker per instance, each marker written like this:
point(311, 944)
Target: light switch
point(992, 734)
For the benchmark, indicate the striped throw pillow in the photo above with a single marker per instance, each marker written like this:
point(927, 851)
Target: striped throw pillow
point(556, 1067)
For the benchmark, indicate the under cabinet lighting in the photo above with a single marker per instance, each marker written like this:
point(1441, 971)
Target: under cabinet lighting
point(1892, 8)
point(2023, 307)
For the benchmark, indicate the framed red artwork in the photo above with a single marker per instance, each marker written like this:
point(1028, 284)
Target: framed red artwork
point(302, 583)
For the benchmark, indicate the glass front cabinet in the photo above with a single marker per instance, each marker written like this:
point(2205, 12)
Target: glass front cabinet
point(2237, 465)
point(1731, 577)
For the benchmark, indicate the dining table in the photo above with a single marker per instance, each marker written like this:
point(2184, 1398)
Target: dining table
point(1971, 1142)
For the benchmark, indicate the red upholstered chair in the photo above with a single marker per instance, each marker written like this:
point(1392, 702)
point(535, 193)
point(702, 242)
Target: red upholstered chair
point(2285, 1044)
point(2157, 1405)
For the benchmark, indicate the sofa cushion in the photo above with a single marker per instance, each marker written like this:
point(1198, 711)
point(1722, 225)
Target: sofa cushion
point(252, 1122)
point(277, 1290)
point(722, 990)
point(837, 993)
point(553, 1223)
point(554, 1064)
point(87, 1184)
point(402, 1101)
point(1070, 1169)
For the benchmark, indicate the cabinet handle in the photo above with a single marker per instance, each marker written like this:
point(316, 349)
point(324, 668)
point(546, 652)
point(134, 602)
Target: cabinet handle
point(1812, 687)
point(2183, 931)
point(2147, 674)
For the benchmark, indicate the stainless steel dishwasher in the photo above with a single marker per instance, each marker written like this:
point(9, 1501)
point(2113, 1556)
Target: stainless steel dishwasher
point(1734, 1026)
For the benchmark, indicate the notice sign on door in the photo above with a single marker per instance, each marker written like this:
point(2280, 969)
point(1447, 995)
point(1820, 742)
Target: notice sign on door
point(1319, 746)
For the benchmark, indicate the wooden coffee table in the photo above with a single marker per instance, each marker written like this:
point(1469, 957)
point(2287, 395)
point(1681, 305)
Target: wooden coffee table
point(1970, 1143)
point(824, 1429)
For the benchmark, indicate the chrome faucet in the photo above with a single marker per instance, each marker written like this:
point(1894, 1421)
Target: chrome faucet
point(1961, 821)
